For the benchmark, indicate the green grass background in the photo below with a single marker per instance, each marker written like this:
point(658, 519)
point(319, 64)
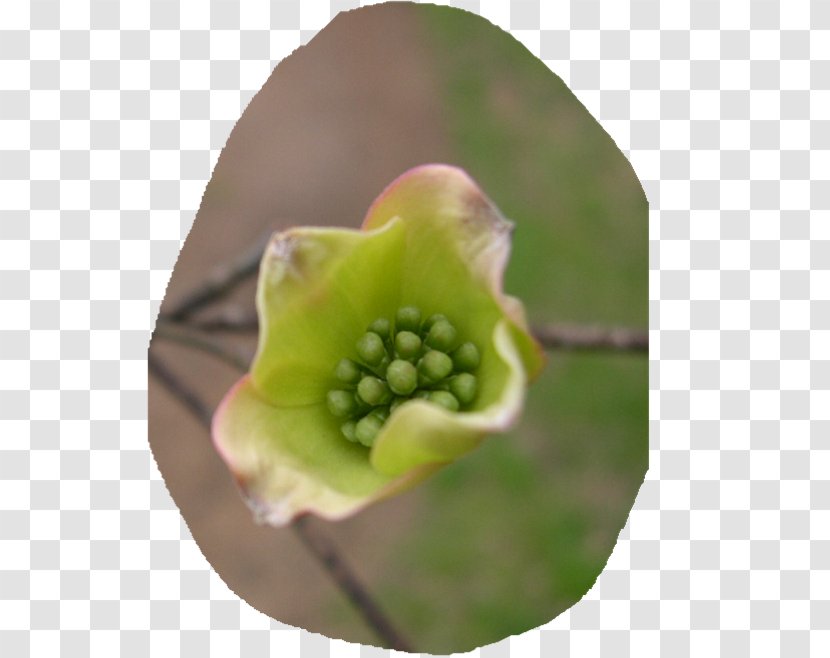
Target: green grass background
point(517, 532)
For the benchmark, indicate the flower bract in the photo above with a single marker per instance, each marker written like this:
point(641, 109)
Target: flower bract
point(384, 353)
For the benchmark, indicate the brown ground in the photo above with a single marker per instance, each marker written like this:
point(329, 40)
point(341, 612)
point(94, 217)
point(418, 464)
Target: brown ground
point(334, 124)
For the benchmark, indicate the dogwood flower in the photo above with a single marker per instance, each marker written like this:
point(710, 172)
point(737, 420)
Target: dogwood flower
point(384, 353)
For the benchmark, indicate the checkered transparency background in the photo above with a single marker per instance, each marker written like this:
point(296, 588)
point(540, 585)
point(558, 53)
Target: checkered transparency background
point(111, 118)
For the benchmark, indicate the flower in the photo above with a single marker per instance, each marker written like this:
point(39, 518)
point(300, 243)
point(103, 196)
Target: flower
point(432, 243)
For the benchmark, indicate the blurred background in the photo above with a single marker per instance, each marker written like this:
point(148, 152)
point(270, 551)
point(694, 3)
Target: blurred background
point(515, 533)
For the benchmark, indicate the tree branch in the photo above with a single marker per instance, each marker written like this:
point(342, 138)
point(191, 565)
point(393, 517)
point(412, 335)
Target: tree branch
point(332, 562)
point(221, 281)
point(552, 337)
point(591, 339)
point(225, 277)
point(229, 318)
point(181, 333)
point(320, 547)
point(177, 388)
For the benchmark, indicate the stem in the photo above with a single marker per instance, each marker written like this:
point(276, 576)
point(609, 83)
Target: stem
point(327, 555)
point(225, 277)
point(553, 337)
point(221, 281)
point(196, 340)
point(584, 339)
point(320, 547)
point(230, 318)
point(177, 388)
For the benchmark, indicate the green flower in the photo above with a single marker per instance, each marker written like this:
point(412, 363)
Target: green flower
point(423, 280)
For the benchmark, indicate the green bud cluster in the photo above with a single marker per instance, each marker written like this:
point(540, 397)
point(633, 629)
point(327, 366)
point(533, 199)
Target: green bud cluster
point(398, 360)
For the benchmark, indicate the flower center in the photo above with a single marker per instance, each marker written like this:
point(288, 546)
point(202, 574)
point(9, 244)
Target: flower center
point(398, 361)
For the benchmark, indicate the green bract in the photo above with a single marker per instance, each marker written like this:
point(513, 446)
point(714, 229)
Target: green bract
point(432, 245)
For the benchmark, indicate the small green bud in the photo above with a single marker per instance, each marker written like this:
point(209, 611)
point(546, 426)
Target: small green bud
point(341, 403)
point(466, 358)
point(349, 430)
point(370, 348)
point(373, 391)
point(362, 407)
point(444, 399)
point(381, 327)
point(383, 365)
point(348, 372)
point(402, 377)
point(435, 365)
point(367, 429)
point(442, 336)
point(407, 344)
point(464, 387)
point(408, 318)
point(381, 413)
point(432, 319)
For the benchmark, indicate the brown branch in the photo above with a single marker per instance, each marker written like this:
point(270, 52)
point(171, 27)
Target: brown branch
point(553, 337)
point(177, 388)
point(182, 334)
point(225, 277)
point(331, 560)
point(230, 318)
point(220, 282)
point(320, 547)
point(591, 339)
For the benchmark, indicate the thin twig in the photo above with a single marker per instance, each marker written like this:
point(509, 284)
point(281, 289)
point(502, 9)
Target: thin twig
point(221, 281)
point(229, 318)
point(320, 547)
point(177, 388)
point(591, 339)
point(328, 556)
point(196, 340)
point(552, 337)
